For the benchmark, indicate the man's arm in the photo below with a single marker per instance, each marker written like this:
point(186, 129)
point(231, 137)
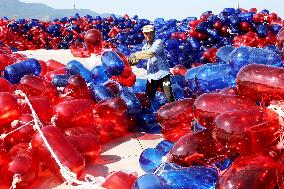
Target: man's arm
point(155, 49)
point(142, 55)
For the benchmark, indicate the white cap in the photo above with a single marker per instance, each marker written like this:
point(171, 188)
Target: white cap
point(148, 28)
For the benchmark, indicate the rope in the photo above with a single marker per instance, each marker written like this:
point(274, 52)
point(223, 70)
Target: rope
point(16, 179)
point(66, 94)
point(90, 182)
point(278, 109)
point(161, 168)
point(13, 124)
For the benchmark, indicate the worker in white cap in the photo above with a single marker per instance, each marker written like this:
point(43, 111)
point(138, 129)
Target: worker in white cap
point(158, 69)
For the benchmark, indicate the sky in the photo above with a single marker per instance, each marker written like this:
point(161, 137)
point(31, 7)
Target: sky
point(151, 9)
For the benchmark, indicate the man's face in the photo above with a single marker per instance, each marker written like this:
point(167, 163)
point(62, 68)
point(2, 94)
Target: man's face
point(149, 36)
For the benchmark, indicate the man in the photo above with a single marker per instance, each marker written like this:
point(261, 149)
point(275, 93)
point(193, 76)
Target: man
point(158, 70)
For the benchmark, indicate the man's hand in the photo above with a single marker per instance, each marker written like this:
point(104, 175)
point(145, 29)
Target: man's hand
point(132, 60)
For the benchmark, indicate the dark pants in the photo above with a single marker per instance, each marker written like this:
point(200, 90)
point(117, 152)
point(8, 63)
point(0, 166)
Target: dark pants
point(164, 83)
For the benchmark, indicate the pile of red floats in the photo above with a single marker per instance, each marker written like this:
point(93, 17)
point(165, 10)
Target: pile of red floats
point(73, 123)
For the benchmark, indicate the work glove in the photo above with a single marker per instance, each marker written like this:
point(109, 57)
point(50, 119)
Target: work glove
point(132, 60)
